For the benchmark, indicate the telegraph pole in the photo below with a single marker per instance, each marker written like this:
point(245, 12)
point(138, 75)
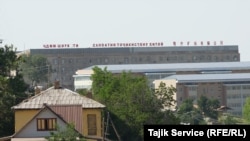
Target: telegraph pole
point(48, 75)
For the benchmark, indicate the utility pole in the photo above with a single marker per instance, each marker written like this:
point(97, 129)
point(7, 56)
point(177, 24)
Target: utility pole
point(106, 131)
point(119, 138)
point(48, 75)
point(103, 132)
point(109, 119)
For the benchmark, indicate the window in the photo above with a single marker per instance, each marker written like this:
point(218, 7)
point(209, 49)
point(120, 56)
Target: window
point(55, 61)
point(194, 58)
point(106, 60)
point(92, 129)
point(46, 124)
point(126, 60)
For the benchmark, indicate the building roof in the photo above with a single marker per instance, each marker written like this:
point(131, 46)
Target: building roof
point(70, 113)
point(210, 77)
point(173, 67)
point(59, 96)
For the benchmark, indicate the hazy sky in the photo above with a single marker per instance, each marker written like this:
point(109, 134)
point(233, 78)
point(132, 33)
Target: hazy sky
point(32, 23)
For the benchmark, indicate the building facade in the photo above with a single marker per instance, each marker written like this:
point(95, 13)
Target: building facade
point(65, 61)
point(231, 89)
point(158, 71)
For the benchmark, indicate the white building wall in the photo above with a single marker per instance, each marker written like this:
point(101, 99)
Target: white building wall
point(82, 82)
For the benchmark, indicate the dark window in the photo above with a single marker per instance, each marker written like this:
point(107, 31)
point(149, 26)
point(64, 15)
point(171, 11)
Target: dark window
point(92, 129)
point(46, 124)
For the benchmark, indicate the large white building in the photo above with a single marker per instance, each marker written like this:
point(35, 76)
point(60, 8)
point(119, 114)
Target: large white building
point(229, 82)
point(65, 61)
point(158, 71)
point(231, 89)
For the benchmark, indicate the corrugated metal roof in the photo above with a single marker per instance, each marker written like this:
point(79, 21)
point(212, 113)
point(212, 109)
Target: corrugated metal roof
point(70, 113)
point(173, 67)
point(210, 77)
point(60, 96)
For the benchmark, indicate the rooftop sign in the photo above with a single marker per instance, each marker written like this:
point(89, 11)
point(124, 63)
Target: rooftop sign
point(158, 44)
point(60, 45)
point(143, 44)
point(195, 43)
point(140, 44)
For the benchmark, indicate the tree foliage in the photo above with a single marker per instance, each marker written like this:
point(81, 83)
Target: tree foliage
point(131, 102)
point(165, 95)
point(35, 69)
point(12, 88)
point(208, 106)
point(228, 119)
point(246, 110)
point(67, 134)
point(187, 113)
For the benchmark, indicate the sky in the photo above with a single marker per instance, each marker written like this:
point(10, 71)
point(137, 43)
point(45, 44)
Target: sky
point(31, 24)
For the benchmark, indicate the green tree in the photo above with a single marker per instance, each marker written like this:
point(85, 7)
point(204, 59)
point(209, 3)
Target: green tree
point(12, 88)
point(228, 119)
point(165, 95)
point(67, 134)
point(103, 83)
point(130, 101)
point(35, 69)
point(188, 114)
point(246, 110)
point(208, 107)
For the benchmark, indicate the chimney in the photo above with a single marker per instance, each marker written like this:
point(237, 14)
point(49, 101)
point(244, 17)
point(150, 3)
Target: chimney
point(37, 90)
point(56, 85)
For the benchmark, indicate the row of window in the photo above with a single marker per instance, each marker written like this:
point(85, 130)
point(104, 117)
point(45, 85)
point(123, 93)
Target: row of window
point(49, 124)
point(211, 89)
point(234, 105)
point(238, 87)
point(82, 78)
point(237, 113)
point(141, 59)
point(234, 96)
point(204, 90)
point(46, 124)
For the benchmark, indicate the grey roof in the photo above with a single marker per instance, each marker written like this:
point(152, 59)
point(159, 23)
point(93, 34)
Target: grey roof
point(173, 67)
point(210, 77)
point(60, 96)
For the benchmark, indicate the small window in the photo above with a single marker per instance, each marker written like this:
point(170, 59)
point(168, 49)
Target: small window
point(92, 129)
point(46, 124)
point(106, 60)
